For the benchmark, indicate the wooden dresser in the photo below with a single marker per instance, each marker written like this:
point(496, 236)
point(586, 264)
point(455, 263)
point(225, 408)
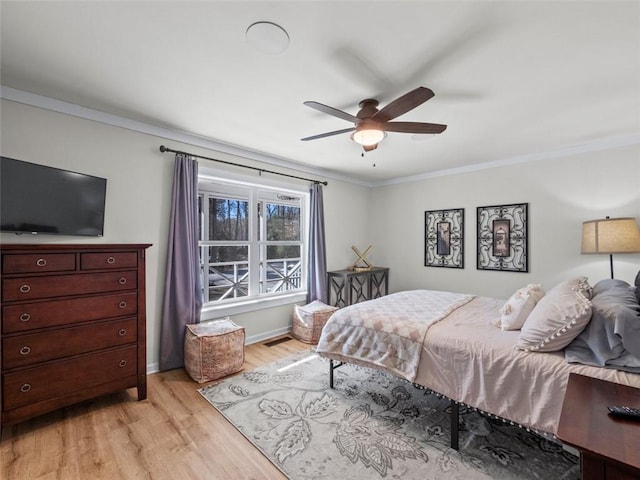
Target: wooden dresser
point(73, 325)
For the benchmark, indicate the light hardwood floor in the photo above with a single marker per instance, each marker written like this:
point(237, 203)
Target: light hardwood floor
point(174, 434)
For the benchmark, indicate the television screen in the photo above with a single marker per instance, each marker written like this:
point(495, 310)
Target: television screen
point(39, 199)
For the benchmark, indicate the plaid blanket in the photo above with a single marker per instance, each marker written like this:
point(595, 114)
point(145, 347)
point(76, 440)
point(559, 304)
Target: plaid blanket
point(387, 332)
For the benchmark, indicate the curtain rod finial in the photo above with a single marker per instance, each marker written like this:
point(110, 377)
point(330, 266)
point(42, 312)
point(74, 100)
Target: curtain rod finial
point(163, 148)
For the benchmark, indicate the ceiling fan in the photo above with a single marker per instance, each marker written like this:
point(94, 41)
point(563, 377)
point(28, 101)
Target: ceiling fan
point(371, 124)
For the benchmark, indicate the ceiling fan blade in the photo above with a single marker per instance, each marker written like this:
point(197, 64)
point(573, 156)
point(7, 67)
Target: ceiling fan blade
point(403, 104)
point(332, 111)
point(328, 134)
point(414, 127)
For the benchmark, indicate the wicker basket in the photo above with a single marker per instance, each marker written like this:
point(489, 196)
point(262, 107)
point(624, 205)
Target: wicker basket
point(213, 350)
point(309, 320)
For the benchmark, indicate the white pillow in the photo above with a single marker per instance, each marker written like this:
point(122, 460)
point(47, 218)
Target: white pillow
point(519, 306)
point(558, 318)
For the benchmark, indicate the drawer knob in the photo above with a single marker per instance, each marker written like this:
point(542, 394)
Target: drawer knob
point(111, 260)
point(122, 304)
point(122, 364)
point(25, 388)
point(41, 262)
point(122, 332)
point(25, 317)
point(25, 288)
point(122, 281)
point(26, 350)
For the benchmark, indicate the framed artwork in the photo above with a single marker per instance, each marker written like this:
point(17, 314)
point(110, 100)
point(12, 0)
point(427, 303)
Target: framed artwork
point(444, 238)
point(502, 238)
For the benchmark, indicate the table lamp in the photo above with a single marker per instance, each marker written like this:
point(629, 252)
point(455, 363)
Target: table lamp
point(611, 235)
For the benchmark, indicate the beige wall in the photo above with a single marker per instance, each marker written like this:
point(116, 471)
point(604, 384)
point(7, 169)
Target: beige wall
point(561, 193)
point(139, 182)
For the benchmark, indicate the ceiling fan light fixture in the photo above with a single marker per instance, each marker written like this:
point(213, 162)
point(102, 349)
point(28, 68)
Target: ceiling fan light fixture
point(368, 136)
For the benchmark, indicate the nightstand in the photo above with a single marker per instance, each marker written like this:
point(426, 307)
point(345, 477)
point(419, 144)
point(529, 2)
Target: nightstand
point(609, 446)
point(346, 287)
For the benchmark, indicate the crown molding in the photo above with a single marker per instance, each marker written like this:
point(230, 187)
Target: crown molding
point(595, 146)
point(72, 109)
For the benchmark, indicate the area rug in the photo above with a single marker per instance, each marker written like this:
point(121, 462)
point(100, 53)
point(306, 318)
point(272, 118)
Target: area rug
point(374, 426)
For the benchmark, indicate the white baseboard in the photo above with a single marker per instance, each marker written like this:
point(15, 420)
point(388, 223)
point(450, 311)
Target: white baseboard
point(153, 368)
point(267, 335)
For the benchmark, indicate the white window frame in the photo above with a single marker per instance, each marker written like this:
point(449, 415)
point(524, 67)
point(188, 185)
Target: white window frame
point(216, 181)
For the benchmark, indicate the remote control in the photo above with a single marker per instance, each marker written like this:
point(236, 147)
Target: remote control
point(623, 411)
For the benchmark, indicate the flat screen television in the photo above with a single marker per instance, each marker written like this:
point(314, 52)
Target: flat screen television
point(37, 199)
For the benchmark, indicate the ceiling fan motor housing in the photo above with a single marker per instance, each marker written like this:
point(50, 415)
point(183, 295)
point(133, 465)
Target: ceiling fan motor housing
point(367, 108)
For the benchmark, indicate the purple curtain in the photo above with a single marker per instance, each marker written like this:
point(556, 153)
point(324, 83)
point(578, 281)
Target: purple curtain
point(317, 279)
point(183, 285)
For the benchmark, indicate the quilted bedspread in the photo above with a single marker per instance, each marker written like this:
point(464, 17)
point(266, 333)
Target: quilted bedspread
point(387, 332)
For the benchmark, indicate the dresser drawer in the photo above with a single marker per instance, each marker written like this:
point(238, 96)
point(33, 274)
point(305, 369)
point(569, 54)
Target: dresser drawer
point(33, 263)
point(97, 261)
point(58, 379)
point(53, 313)
point(22, 350)
point(28, 288)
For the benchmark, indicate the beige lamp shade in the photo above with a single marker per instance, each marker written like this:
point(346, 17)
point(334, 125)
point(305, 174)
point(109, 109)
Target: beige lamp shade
point(611, 235)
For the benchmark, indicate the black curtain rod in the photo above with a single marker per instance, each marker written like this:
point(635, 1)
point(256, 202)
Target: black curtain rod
point(166, 149)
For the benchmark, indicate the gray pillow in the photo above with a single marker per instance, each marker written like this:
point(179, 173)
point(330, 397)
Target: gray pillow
point(612, 337)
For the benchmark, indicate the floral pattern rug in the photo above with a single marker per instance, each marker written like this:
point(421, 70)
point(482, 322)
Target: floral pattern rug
point(374, 426)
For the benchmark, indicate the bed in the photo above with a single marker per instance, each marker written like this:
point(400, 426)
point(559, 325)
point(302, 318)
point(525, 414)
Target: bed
point(508, 359)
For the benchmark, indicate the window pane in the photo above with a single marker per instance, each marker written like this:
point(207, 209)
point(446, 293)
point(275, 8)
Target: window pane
point(227, 275)
point(283, 251)
point(228, 219)
point(229, 253)
point(283, 268)
point(283, 222)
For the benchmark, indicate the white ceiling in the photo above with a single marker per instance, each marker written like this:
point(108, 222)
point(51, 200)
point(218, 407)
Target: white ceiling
point(513, 80)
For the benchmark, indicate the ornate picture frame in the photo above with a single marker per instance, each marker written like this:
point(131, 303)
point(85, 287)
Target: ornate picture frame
point(444, 238)
point(503, 237)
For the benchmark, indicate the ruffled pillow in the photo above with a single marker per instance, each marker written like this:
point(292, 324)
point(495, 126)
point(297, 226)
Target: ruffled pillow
point(516, 310)
point(558, 318)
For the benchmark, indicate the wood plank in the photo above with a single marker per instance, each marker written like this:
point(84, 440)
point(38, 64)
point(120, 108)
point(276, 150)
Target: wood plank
point(174, 433)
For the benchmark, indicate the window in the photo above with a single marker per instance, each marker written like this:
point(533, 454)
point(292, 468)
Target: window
point(252, 242)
